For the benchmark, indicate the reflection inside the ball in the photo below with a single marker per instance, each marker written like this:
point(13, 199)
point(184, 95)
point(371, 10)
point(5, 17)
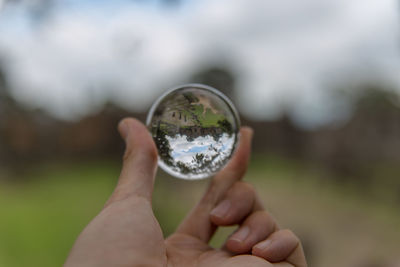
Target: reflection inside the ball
point(195, 131)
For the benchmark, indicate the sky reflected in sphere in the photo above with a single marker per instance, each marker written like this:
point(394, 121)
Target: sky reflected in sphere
point(195, 128)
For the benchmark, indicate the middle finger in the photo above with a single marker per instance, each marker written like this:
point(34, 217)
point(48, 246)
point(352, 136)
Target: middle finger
point(237, 204)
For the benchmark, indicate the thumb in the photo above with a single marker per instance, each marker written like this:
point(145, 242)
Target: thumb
point(139, 162)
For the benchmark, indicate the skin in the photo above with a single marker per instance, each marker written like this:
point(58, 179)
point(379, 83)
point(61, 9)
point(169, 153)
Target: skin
point(126, 233)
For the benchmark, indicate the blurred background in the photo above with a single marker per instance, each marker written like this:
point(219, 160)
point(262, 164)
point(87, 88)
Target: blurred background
point(319, 81)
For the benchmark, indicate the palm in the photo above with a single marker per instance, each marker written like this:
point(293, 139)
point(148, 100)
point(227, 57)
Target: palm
point(196, 253)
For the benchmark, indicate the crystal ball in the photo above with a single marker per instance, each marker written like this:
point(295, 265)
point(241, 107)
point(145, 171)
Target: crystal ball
point(195, 128)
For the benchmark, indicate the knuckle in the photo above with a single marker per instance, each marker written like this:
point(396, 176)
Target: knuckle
point(289, 233)
point(266, 218)
point(286, 232)
point(245, 187)
point(153, 153)
point(128, 154)
point(260, 218)
point(148, 153)
point(262, 215)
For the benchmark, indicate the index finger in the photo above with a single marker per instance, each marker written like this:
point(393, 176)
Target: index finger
point(197, 223)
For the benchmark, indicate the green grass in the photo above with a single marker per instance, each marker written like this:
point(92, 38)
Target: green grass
point(41, 218)
point(209, 119)
point(42, 215)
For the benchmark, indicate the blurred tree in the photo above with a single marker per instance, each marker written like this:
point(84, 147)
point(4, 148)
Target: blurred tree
point(369, 138)
point(7, 103)
point(5, 98)
point(217, 76)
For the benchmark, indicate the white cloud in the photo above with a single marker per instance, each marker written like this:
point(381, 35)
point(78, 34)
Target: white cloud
point(285, 52)
point(185, 151)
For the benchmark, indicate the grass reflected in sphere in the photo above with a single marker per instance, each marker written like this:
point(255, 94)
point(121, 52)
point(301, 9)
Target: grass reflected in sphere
point(195, 128)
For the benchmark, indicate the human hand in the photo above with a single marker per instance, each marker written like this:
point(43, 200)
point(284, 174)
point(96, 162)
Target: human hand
point(126, 233)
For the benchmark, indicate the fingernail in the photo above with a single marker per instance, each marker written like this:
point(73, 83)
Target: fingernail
point(241, 235)
point(222, 209)
point(263, 245)
point(123, 129)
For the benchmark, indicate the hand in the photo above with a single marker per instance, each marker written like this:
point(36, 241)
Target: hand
point(126, 233)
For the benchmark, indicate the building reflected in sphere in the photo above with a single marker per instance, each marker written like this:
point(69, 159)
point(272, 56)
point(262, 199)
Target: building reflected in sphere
point(195, 128)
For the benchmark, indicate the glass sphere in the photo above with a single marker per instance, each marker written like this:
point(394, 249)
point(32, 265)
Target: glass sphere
point(195, 128)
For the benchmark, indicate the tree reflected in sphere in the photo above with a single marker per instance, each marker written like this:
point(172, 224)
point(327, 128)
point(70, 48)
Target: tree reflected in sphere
point(195, 128)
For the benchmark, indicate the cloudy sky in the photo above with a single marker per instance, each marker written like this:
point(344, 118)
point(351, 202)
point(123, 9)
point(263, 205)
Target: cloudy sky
point(285, 53)
point(185, 151)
